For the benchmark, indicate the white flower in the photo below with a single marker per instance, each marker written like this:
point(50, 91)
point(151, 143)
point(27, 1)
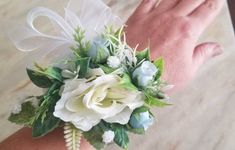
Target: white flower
point(108, 136)
point(113, 62)
point(145, 73)
point(85, 103)
point(126, 55)
point(16, 109)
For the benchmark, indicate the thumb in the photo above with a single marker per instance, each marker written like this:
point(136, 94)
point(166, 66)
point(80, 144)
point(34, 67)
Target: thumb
point(206, 51)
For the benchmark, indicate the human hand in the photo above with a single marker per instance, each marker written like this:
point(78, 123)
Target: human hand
point(171, 28)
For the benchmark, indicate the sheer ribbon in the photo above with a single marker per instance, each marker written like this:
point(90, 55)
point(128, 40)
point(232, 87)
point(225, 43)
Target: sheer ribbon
point(90, 15)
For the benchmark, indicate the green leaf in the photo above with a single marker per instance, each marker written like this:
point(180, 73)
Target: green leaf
point(25, 116)
point(106, 68)
point(121, 137)
point(84, 66)
point(159, 63)
point(141, 109)
point(127, 83)
point(137, 130)
point(54, 73)
point(43, 77)
point(39, 79)
point(82, 46)
point(152, 101)
point(144, 54)
point(94, 137)
point(45, 121)
point(42, 128)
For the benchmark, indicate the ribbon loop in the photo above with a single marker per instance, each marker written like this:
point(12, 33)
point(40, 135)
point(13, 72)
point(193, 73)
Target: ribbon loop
point(91, 16)
point(67, 30)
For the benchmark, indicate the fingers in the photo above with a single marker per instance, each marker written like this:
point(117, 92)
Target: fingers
point(146, 6)
point(165, 5)
point(206, 51)
point(207, 11)
point(185, 7)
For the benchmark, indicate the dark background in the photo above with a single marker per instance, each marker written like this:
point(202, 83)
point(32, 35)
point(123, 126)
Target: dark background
point(231, 4)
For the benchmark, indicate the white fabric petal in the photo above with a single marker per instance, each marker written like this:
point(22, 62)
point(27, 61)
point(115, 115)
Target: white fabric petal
point(86, 124)
point(77, 84)
point(123, 117)
point(95, 72)
point(106, 79)
point(108, 111)
point(134, 101)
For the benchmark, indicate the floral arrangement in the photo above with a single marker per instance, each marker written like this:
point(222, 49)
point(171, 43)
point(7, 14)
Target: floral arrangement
point(102, 92)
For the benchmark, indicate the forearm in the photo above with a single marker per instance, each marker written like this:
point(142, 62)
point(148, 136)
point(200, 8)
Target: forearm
point(22, 140)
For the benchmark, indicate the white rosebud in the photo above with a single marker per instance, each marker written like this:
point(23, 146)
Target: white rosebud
point(113, 62)
point(141, 120)
point(145, 73)
point(16, 109)
point(108, 136)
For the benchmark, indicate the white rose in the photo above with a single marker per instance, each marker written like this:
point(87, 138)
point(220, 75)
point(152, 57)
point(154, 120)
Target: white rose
point(85, 103)
point(145, 73)
point(108, 136)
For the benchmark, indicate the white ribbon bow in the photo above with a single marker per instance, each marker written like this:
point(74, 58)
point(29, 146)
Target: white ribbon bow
point(90, 15)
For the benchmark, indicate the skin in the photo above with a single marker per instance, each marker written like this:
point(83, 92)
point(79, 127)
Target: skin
point(171, 29)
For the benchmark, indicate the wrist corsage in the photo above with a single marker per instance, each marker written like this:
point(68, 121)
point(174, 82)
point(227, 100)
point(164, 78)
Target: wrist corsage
point(101, 92)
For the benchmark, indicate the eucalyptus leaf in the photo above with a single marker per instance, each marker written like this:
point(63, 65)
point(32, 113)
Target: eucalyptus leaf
point(25, 116)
